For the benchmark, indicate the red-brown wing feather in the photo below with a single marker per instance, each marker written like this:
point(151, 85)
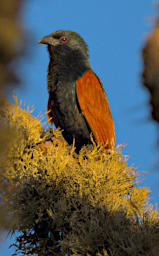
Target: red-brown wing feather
point(50, 113)
point(95, 108)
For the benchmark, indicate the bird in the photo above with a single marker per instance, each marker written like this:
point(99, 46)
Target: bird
point(77, 103)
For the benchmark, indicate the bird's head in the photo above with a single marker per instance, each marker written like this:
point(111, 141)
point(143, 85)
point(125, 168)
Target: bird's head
point(65, 39)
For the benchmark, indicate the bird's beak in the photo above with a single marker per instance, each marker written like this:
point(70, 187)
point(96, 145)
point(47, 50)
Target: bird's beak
point(49, 40)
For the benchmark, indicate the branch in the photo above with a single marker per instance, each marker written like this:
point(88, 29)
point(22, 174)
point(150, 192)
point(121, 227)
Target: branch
point(61, 203)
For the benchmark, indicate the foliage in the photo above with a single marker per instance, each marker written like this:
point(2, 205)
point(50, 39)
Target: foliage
point(62, 203)
point(150, 55)
point(12, 47)
point(12, 43)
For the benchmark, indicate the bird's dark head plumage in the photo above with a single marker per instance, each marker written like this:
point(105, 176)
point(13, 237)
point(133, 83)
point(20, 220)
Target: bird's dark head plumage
point(65, 38)
point(68, 53)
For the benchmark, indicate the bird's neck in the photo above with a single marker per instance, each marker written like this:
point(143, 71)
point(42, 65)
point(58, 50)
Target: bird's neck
point(67, 65)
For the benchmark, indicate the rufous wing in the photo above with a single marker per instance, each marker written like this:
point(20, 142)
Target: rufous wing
point(50, 113)
point(95, 108)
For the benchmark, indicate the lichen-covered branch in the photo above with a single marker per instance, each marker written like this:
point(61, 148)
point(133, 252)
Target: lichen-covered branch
point(62, 203)
point(12, 47)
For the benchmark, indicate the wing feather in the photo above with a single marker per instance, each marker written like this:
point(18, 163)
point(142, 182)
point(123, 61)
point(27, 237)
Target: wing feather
point(50, 113)
point(95, 108)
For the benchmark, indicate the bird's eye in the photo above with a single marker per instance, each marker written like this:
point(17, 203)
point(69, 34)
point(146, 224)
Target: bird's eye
point(64, 39)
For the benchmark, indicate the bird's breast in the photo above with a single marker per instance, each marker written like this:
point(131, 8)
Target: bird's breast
point(67, 111)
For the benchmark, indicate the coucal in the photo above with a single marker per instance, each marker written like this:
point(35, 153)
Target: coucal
point(77, 100)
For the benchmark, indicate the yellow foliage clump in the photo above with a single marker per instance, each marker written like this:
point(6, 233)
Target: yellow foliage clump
point(61, 203)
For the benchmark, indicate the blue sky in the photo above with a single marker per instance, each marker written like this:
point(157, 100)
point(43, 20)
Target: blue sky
point(114, 32)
